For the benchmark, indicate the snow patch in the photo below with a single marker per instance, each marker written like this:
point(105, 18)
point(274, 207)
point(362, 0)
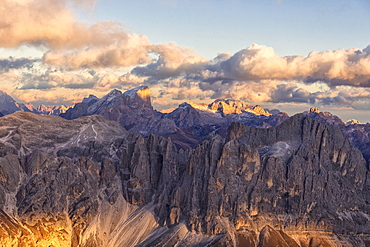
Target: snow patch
point(6, 138)
point(277, 149)
point(96, 133)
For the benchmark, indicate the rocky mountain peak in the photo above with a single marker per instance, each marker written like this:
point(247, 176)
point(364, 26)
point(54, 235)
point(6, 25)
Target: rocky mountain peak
point(50, 110)
point(7, 104)
point(91, 99)
point(185, 115)
point(227, 107)
point(258, 110)
point(324, 117)
point(30, 107)
point(138, 97)
point(314, 110)
point(185, 105)
point(112, 95)
point(108, 101)
point(352, 121)
point(200, 106)
point(41, 107)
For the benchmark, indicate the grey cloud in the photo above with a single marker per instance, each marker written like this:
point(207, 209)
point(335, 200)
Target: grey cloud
point(79, 86)
point(337, 100)
point(288, 93)
point(17, 63)
point(36, 85)
point(98, 80)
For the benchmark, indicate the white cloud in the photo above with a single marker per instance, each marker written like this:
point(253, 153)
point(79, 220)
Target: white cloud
point(338, 67)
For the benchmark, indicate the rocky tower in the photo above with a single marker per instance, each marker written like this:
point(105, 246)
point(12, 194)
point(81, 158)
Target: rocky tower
point(356, 132)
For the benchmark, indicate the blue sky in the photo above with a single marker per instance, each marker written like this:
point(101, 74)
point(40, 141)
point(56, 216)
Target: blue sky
point(212, 26)
point(285, 54)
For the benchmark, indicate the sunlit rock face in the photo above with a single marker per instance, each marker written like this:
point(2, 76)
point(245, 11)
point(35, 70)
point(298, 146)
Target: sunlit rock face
point(89, 182)
point(55, 177)
point(138, 97)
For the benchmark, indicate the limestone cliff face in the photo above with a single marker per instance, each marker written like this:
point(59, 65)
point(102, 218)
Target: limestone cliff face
point(301, 176)
point(315, 170)
point(88, 182)
point(356, 132)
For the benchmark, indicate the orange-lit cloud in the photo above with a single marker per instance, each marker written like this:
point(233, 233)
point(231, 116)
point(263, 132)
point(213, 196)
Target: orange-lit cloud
point(57, 96)
point(47, 23)
point(73, 44)
point(131, 50)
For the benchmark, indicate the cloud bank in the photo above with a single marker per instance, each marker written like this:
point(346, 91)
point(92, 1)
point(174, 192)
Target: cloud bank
point(81, 57)
point(257, 74)
point(7, 64)
point(335, 68)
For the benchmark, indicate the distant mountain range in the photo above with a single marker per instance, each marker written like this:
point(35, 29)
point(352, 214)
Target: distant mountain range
point(8, 106)
point(116, 172)
point(188, 124)
point(191, 123)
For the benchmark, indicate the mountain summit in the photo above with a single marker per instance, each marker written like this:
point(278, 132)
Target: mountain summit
point(7, 104)
point(132, 109)
point(138, 97)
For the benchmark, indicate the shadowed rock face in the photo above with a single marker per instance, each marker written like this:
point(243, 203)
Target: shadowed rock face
point(320, 176)
point(88, 182)
point(356, 132)
point(132, 109)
